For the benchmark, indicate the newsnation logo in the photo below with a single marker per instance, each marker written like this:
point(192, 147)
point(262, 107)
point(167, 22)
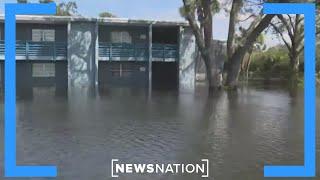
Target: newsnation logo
point(119, 168)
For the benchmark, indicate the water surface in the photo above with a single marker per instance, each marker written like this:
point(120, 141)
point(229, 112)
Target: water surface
point(238, 132)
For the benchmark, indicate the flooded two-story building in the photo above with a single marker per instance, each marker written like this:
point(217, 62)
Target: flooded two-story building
point(67, 52)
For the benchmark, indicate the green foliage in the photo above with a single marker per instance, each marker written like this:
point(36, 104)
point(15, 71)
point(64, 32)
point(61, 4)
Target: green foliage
point(191, 8)
point(275, 62)
point(107, 14)
point(260, 44)
point(63, 9)
point(195, 6)
point(22, 1)
point(67, 9)
point(215, 7)
point(46, 1)
point(272, 63)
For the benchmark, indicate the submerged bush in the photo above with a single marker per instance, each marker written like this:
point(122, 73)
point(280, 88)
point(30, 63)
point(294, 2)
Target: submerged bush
point(271, 63)
point(275, 63)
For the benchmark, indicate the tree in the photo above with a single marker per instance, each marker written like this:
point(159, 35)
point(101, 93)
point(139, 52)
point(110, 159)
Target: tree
point(200, 12)
point(259, 46)
point(46, 1)
point(237, 50)
point(64, 9)
point(291, 25)
point(22, 1)
point(67, 9)
point(107, 14)
point(290, 28)
point(234, 18)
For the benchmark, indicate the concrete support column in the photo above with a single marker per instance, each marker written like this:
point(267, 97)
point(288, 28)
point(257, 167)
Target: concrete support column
point(187, 58)
point(97, 54)
point(150, 58)
point(82, 65)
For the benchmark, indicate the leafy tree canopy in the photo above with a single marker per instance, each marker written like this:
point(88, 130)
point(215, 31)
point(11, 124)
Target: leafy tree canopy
point(196, 7)
point(107, 14)
point(67, 9)
point(22, 1)
point(46, 1)
point(63, 9)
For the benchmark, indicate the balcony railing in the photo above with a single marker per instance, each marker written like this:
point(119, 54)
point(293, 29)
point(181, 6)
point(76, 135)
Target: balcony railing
point(117, 51)
point(137, 52)
point(165, 52)
point(30, 50)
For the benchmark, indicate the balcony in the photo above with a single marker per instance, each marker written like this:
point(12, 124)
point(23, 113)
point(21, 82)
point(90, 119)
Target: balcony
point(137, 52)
point(165, 52)
point(123, 51)
point(30, 50)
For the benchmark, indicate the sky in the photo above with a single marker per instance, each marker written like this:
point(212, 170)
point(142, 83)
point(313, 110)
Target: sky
point(147, 9)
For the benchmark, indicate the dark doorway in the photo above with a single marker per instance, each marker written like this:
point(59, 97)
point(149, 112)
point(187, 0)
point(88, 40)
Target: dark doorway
point(165, 63)
point(165, 75)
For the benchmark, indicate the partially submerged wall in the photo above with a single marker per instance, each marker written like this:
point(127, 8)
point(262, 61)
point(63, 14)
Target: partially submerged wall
point(187, 59)
point(82, 57)
point(81, 54)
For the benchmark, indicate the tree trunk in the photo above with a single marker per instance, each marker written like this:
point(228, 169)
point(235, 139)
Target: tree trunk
point(234, 68)
point(245, 65)
point(209, 73)
point(204, 40)
point(207, 32)
point(248, 66)
point(294, 70)
point(237, 57)
point(295, 62)
point(214, 70)
point(294, 75)
point(234, 13)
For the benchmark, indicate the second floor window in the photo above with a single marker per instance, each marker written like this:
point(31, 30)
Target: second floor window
point(121, 37)
point(40, 35)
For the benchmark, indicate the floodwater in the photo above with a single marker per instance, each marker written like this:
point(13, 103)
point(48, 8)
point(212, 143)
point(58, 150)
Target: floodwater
point(238, 132)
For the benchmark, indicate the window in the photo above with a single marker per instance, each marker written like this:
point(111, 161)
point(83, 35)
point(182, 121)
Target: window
point(121, 37)
point(43, 70)
point(122, 71)
point(43, 35)
point(143, 36)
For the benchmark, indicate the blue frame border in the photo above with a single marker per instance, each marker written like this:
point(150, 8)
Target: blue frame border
point(11, 169)
point(309, 167)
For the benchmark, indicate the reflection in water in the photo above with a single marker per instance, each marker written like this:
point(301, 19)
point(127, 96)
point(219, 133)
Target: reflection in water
point(239, 132)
